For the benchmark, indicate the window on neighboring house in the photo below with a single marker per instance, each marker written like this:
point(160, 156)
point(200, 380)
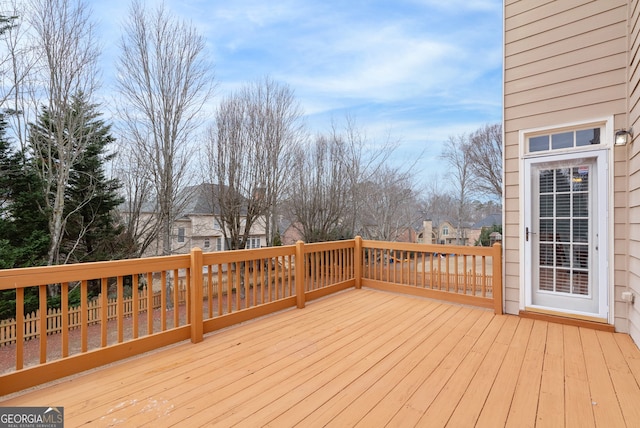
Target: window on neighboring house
point(445, 231)
point(253, 243)
point(181, 234)
point(207, 243)
point(220, 244)
point(216, 225)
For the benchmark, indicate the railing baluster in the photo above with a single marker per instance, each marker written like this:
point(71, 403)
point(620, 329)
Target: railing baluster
point(42, 325)
point(176, 299)
point(64, 306)
point(120, 308)
point(220, 295)
point(150, 308)
point(289, 274)
point(254, 291)
point(245, 286)
point(484, 276)
point(187, 295)
point(229, 277)
point(104, 311)
point(164, 288)
point(135, 304)
point(209, 290)
point(474, 273)
point(20, 324)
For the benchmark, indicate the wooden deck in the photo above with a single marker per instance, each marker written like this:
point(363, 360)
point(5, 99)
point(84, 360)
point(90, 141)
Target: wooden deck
point(366, 358)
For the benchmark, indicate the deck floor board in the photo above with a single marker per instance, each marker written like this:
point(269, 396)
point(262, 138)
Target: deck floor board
point(365, 358)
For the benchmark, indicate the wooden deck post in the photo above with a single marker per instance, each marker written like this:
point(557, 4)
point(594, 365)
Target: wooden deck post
point(196, 296)
point(300, 298)
point(497, 278)
point(357, 260)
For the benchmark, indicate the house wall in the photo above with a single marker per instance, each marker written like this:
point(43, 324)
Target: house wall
point(630, 157)
point(184, 247)
point(201, 226)
point(564, 62)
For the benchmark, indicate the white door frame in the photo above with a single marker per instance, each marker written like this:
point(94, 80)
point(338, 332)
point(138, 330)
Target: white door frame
point(606, 237)
point(598, 248)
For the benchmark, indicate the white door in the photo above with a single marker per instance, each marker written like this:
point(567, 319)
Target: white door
point(565, 233)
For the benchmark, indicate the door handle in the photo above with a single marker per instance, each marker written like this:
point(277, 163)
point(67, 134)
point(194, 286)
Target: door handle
point(526, 233)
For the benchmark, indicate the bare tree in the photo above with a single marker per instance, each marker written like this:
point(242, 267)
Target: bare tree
point(137, 211)
point(389, 205)
point(249, 153)
point(485, 157)
point(319, 200)
point(19, 76)
point(236, 168)
point(17, 62)
point(456, 154)
point(163, 81)
point(438, 204)
point(364, 160)
point(67, 58)
point(277, 129)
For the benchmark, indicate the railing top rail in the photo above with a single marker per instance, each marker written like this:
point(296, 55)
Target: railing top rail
point(25, 277)
point(40, 275)
point(219, 257)
point(325, 246)
point(429, 248)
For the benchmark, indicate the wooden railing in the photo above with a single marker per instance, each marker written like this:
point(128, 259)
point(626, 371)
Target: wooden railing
point(469, 275)
point(8, 327)
point(197, 293)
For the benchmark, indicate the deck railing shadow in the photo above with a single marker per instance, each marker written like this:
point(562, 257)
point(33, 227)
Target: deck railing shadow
point(148, 303)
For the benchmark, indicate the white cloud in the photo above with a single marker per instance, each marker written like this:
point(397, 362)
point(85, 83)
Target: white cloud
point(422, 69)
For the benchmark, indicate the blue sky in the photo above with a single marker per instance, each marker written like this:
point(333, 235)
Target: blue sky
point(420, 70)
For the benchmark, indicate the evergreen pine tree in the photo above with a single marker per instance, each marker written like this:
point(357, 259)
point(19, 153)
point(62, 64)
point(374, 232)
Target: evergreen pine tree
point(91, 232)
point(92, 195)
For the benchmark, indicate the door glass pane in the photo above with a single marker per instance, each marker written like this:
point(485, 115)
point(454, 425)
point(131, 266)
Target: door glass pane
point(546, 279)
point(563, 255)
point(563, 230)
point(563, 207)
point(546, 254)
point(580, 201)
point(563, 181)
point(580, 256)
point(581, 230)
point(580, 178)
point(546, 206)
point(581, 283)
point(546, 230)
point(546, 181)
point(563, 281)
point(563, 240)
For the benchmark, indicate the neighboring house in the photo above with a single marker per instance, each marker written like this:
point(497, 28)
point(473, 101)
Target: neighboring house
point(425, 236)
point(571, 231)
point(197, 226)
point(443, 232)
point(407, 234)
point(290, 232)
point(488, 222)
